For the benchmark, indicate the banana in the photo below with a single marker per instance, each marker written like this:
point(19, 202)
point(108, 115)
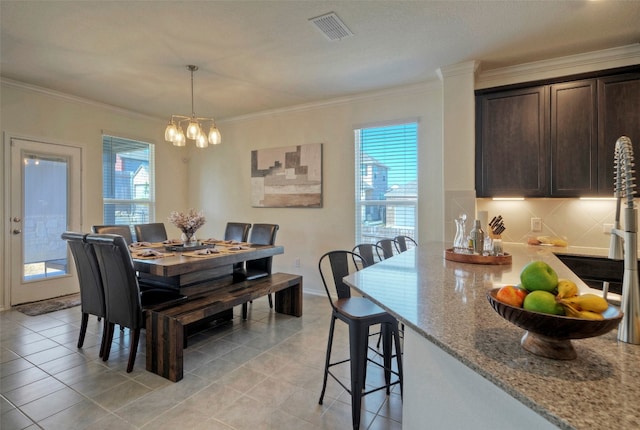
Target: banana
point(559, 242)
point(570, 311)
point(590, 315)
point(587, 302)
point(567, 288)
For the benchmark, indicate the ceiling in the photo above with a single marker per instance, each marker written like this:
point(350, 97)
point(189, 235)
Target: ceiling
point(261, 55)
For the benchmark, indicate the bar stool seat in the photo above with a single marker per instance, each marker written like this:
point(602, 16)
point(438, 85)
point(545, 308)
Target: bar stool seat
point(359, 314)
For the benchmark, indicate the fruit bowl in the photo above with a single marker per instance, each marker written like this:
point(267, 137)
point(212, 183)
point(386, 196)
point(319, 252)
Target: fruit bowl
point(550, 335)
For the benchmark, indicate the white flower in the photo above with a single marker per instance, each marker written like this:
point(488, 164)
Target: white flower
point(187, 222)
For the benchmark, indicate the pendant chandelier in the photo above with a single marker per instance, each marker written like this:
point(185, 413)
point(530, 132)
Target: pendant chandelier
point(175, 134)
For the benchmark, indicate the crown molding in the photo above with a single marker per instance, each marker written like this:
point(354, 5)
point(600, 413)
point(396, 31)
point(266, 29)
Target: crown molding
point(627, 55)
point(73, 99)
point(460, 69)
point(425, 87)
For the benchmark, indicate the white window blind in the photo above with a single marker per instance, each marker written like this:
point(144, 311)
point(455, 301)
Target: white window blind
point(386, 182)
point(128, 177)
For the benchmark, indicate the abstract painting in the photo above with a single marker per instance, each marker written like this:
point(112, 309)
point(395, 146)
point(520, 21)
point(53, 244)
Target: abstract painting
point(287, 177)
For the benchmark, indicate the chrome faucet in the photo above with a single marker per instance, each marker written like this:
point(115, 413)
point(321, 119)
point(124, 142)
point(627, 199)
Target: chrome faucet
point(629, 328)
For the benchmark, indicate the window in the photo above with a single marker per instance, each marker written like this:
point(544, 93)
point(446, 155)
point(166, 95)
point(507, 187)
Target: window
point(387, 183)
point(127, 181)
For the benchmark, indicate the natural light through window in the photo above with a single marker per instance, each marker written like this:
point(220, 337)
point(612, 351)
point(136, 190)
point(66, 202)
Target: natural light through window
point(386, 182)
point(128, 178)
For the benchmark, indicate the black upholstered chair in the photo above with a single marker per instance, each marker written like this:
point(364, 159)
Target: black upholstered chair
point(359, 314)
point(370, 253)
point(237, 231)
point(122, 230)
point(124, 302)
point(261, 234)
point(151, 232)
point(404, 242)
point(388, 247)
point(90, 280)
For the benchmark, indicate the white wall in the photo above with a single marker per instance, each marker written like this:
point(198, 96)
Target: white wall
point(220, 176)
point(217, 180)
point(52, 117)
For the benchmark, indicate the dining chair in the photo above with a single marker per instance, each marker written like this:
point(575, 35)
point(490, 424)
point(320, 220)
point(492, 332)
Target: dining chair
point(359, 313)
point(124, 302)
point(237, 231)
point(151, 232)
point(122, 230)
point(261, 234)
point(370, 253)
point(388, 246)
point(404, 242)
point(90, 280)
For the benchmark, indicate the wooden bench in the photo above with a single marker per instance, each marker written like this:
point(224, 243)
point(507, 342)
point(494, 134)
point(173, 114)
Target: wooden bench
point(165, 324)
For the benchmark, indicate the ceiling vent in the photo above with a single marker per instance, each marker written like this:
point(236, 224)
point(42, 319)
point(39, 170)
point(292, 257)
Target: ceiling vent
point(331, 26)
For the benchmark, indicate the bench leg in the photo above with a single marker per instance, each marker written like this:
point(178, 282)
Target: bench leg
point(165, 342)
point(289, 300)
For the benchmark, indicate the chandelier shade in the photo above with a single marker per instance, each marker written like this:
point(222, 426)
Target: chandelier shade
point(175, 134)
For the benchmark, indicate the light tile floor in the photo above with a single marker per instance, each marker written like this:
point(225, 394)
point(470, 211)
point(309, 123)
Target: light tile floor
point(263, 373)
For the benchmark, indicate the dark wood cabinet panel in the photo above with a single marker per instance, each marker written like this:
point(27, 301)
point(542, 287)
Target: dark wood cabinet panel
point(618, 115)
point(555, 139)
point(594, 271)
point(512, 143)
point(574, 150)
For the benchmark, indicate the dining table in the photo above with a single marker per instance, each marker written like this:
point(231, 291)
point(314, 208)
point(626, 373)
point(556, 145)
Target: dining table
point(185, 266)
point(204, 275)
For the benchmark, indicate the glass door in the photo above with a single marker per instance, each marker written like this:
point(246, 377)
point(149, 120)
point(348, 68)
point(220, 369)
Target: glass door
point(45, 183)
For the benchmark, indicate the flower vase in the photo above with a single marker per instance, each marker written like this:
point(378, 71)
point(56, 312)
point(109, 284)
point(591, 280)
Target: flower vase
point(188, 238)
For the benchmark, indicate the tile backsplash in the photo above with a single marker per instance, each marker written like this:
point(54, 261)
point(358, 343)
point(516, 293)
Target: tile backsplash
point(580, 222)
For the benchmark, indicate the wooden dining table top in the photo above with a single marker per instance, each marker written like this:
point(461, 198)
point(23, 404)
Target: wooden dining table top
point(177, 263)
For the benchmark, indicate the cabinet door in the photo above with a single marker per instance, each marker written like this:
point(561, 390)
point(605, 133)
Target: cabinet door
point(618, 115)
point(511, 143)
point(574, 143)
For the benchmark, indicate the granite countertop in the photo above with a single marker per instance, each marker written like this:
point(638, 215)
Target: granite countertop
point(445, 302)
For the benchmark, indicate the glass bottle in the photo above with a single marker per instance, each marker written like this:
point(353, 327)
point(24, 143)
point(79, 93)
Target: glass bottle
point(477, 238)
point(459, 243)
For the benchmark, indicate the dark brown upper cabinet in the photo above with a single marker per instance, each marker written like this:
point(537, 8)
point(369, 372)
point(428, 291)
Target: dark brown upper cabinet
point(555, 139)
point(512, 143)
point(574, 140)
point(618, 115)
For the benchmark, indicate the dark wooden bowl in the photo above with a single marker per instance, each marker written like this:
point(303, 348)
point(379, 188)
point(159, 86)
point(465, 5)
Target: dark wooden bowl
point(550, 335)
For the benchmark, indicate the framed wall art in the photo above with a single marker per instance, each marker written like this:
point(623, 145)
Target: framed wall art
point(287, 177)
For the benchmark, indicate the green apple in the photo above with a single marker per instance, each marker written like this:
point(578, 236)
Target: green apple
point(538, 275)
point(542, 301)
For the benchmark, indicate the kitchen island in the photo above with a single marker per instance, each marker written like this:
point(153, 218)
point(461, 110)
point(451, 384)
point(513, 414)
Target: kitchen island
point(463, 363)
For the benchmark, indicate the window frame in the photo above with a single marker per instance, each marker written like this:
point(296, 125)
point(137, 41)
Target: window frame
point(386, 232)
point(149, 202)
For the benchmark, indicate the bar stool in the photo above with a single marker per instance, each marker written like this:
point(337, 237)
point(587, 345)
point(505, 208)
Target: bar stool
point(388, 246)
point(404, 242)
point(359, 314)
point(370, 253)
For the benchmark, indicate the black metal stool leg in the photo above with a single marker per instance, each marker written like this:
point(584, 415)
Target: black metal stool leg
point(357, 342)
point(398, 357)
point(326, 365)
point(387, 352)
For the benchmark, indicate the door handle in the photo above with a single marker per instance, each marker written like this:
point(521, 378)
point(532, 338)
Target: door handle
point(16, 219)
point(17, 231)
